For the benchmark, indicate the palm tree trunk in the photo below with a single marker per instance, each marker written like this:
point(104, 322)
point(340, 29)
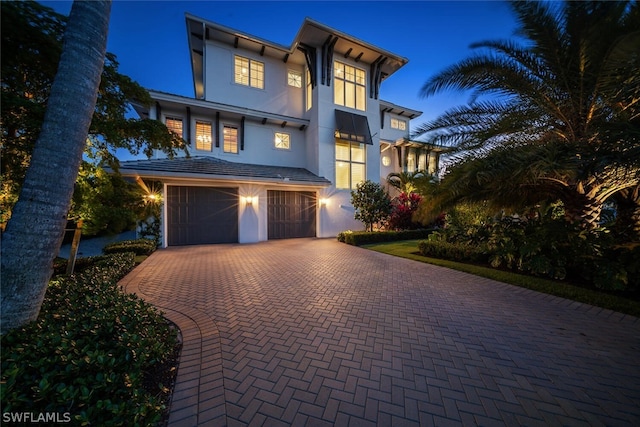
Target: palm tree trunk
point(36, 228)
point(581, 209)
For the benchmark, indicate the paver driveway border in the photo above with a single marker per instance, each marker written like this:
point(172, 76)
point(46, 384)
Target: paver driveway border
point(316, 332)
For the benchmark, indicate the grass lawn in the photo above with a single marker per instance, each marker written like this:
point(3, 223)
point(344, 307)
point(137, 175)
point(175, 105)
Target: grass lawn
point(409, 249)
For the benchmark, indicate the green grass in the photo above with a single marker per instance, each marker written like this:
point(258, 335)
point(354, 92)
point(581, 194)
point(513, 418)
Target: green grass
point(409, 249)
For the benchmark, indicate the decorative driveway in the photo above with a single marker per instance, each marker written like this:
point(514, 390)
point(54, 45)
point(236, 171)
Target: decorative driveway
point(315, 332)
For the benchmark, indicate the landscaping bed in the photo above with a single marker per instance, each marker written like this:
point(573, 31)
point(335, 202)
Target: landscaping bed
point(623, 302)
point(95, 353)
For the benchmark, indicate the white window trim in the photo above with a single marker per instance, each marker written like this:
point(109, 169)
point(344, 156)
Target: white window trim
point(250, 60)
point(298, 74)
point(222, 143)
point(275, 136)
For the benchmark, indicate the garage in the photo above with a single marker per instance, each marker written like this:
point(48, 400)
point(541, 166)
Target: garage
point(291, 214)
point(201, 215)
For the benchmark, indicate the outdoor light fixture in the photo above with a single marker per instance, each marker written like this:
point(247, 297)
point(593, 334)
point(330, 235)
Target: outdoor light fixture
point(324, 201)
point(249, 200)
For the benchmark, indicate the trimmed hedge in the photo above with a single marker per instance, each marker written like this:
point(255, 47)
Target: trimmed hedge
point(453, 251)
point(138, 246)
point(359, 238)
point(91, 353)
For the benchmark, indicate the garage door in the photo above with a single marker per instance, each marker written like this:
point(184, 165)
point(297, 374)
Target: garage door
point(201, 215)
point(291, 214)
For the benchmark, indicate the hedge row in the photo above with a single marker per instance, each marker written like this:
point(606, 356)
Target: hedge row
point(359, 238)
point(91, 354)
point(138, 246)
point(453, 251)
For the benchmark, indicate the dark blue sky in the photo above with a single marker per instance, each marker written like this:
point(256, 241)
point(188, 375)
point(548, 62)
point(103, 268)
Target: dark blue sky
point(149, 37)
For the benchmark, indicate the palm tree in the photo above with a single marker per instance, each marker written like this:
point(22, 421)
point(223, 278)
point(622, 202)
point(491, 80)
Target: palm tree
point(35, 230)
point(405, 182)
point(566, 99)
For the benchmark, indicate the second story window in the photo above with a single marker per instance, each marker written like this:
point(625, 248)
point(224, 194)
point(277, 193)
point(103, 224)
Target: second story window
point(230, 143)
point(398, 124)
point(350, 164)
point(248, 72)
point(309, 90)
point(174, 124)
point(294, 78)
point(350, 86)
point(282, 141)
point(203, 136)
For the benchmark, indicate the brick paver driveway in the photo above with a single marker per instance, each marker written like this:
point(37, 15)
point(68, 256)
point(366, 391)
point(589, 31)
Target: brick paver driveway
point(315, 332)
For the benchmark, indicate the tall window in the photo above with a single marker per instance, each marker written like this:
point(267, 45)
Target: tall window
point(350, 164)
point(174, 124)
point(230, 143)
point(309, 90)
point(422, 161)
point(282, 141)
point(350, 87)
point(203, 136)
point(249, 72)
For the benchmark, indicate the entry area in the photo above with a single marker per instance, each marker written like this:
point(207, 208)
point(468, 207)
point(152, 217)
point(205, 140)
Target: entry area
point(201, 215)
point(291, 214)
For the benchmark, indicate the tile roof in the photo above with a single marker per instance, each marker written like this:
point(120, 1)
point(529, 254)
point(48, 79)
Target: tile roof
point(214, 167)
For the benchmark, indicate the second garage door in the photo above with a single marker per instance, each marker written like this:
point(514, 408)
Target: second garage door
point(201, 215)
point(291, 214)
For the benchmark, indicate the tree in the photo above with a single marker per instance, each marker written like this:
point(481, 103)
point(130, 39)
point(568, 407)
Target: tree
point(36, 228)
point(371, 203)
point(569, 89)
point(405, 182)
point(31, 46)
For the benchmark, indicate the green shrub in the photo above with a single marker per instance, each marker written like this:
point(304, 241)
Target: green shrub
point(138, 246)
point(90, 353)
point(453, 251)
point(359, 238)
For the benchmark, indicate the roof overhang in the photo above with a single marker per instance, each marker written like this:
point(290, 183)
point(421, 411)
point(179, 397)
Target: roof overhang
point(199, 106)
point(404, 142)
point(311, 33)
point(388, 107)
point(212, 169)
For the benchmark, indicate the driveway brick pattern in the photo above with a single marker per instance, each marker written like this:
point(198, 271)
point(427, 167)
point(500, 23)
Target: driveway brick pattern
point(314, 332)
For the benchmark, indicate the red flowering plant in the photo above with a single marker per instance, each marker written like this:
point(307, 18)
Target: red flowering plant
point(402, 211)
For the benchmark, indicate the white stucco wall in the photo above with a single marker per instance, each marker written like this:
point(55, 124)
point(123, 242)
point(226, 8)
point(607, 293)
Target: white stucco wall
point(276, 97)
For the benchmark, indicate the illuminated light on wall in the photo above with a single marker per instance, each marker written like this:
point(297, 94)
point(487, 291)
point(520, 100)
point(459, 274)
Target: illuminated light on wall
point(324, 202)
point(250, 200)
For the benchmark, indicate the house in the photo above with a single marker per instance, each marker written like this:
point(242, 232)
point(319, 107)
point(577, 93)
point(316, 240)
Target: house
point(278, 135)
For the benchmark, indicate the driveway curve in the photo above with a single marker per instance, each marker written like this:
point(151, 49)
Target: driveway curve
point(316, 332)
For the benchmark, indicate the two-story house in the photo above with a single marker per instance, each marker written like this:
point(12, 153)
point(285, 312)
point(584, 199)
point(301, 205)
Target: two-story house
point(278, 135)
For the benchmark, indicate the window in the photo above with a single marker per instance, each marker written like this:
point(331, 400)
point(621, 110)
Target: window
point(309, 94)
point(174, 125)
point(282, 141)
point(422, 161)
point(349, 89)
point(294, 78)
point(350, 164)
point(398, 124)
point(203, 136)
point(249, 72)
point(230, 144)
point(411, 161)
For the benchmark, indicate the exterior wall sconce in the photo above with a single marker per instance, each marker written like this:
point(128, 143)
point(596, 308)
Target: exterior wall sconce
point(249, 200)
point(324, 202)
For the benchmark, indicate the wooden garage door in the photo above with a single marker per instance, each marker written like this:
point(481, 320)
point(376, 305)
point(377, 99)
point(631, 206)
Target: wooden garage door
point(291, 214)
point(201, 215)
